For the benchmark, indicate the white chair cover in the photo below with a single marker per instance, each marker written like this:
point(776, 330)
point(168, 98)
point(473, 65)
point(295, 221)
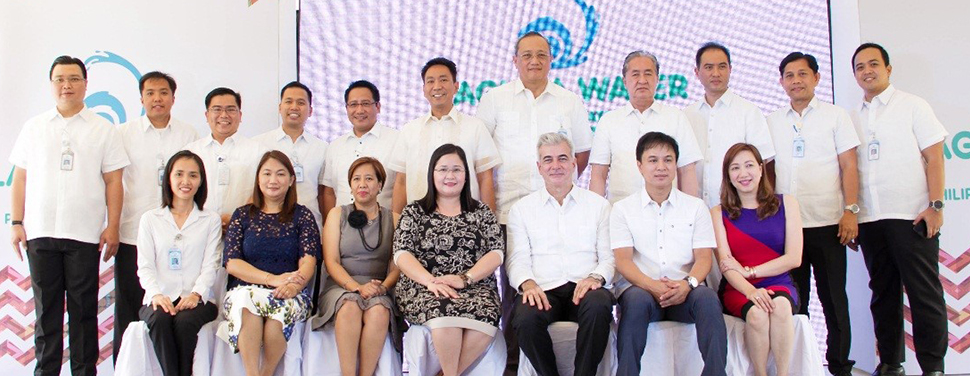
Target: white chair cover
point(672, 350)
point(563, 335)
point(137, 356)
point(320, 354)
point(423, 360)
point(223, 362)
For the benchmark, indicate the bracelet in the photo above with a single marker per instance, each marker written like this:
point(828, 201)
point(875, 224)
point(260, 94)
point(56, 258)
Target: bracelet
point(754, 273)
point(266, 279)
point(16, 223)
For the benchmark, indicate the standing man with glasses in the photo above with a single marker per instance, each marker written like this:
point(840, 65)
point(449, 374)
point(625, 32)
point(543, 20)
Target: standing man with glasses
point(230, 159)
point(516, 114)
point(367, 138)
point(74, 159)
point(443, 125)
point(150, 141)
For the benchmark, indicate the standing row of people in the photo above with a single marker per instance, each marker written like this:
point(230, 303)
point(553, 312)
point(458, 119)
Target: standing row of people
point(810, 146)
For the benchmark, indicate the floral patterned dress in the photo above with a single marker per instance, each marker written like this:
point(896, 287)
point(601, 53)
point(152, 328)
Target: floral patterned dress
point(449, 245)
point(273, 247)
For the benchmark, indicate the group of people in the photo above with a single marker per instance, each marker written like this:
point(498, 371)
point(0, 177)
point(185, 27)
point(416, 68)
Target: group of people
point(689, 214)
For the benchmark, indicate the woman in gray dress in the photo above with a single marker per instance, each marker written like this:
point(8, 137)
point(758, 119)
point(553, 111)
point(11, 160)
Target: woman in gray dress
point(357, 242)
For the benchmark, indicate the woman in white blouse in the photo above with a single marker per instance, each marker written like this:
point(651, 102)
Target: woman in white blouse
point(177, 263)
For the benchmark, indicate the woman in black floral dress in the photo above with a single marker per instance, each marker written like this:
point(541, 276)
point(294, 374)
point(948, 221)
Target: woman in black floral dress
point(448, 246)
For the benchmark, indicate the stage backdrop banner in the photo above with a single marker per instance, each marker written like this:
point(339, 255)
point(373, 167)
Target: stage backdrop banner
point(926, 41)
point(203, 44)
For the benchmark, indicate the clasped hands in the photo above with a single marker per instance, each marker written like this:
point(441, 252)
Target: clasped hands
point(445, 286)
point(287, 285)
point(369, 289)
point(185, 303)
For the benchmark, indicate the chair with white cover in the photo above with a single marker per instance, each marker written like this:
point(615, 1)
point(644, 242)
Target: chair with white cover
point(563, 334)
point(136, 357)
point(223, 362)
point(320, 354)
point(672, 350)
point(422, 359)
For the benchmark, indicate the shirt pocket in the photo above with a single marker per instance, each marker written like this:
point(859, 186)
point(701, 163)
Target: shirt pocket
point(508, 128)
point(681, 243)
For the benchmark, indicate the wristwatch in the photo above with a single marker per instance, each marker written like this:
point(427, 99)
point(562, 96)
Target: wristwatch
point(598, 278)
point(937, 205)
point(16, 223)
point(467, 277)
point(854, 208)
point(691, 282)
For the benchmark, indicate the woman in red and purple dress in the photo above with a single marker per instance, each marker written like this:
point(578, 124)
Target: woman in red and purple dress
point(759, 240)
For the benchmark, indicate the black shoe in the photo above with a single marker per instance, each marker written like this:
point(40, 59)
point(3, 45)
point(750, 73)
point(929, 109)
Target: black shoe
point(933, 373)
point(889, 370)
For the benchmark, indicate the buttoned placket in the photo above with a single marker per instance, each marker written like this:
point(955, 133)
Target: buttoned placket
point(797, 128)
point(871, 180)
point(532, 102)
point(563, 232)
point(709, 155)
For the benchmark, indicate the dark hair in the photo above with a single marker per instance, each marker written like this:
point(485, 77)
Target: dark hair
point(168, 195)
point(376, 164)
point(441, 61)
point(222, 91)
point(289, 202)
point(710, 46)
point(768, 203)
point(532, 33)
point(882, 51)
point(68, 60)
point(654, 139)
point(156, 75)
point(364, 84)
point(430, 201)
point(297, 84)
point(795, 56)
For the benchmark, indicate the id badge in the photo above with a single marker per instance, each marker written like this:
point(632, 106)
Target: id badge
point(161, 175)
point(67, 160)
point(174, 259)
point(223, 174)
point(873, 150)
point(298, 171)
point(798, 148)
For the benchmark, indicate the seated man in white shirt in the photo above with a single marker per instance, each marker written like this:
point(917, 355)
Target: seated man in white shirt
point(560, 262)
point(662, 240)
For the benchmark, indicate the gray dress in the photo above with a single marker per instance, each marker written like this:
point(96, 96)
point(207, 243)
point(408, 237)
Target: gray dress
point(362, 265)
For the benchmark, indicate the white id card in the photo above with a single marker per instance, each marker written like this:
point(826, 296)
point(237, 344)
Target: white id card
point(161, 175)
point(873, 150)
point(174, 259)
point(798, 148)
point(67, 160)
point(223, 174)
point(298, 171)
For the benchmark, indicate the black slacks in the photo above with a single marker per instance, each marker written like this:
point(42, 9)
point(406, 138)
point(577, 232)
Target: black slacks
point(59, 267)
point(824, 255)
point(128, 292)
point(593, 314)
point(174, 337)
point(898, 257)
point(508, 295)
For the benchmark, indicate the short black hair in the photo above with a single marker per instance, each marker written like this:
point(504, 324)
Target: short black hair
point(532, 33)
point(364, 84)
point(441, 61)
point(168, 195)
point(68, 60)
point(156, 75)
point(297, 84)
point(654, 139)
point(222, 91)
point(795, 56)
point(711, 46)
point(882, 51)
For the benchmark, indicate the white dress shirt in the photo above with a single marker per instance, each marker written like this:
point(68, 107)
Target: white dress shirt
point(378, 143)
point(420, 137)
point(149, 149)
point(616, 137)
point(894, 186)
point(555, 244)
point(663, 236)
point(516, 119)
point(67, 204)
point(308, 152)
point(732, 120)
point(239, 157)
point(197, 240)
point(812, 175)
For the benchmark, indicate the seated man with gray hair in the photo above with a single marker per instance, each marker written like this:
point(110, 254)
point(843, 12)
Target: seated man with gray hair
point(560, 259)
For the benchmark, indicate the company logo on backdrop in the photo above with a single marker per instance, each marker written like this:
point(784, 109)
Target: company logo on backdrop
point(560, 42)
point(105, 103)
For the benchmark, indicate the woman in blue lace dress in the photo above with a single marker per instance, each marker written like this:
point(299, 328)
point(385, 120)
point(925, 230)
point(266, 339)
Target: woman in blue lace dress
point(271, 251)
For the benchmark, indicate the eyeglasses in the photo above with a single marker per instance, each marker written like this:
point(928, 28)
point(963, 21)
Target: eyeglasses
point(231, 110)
point(542, 56)
point(364, 104)
point(73, 80)
point(454, 171)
